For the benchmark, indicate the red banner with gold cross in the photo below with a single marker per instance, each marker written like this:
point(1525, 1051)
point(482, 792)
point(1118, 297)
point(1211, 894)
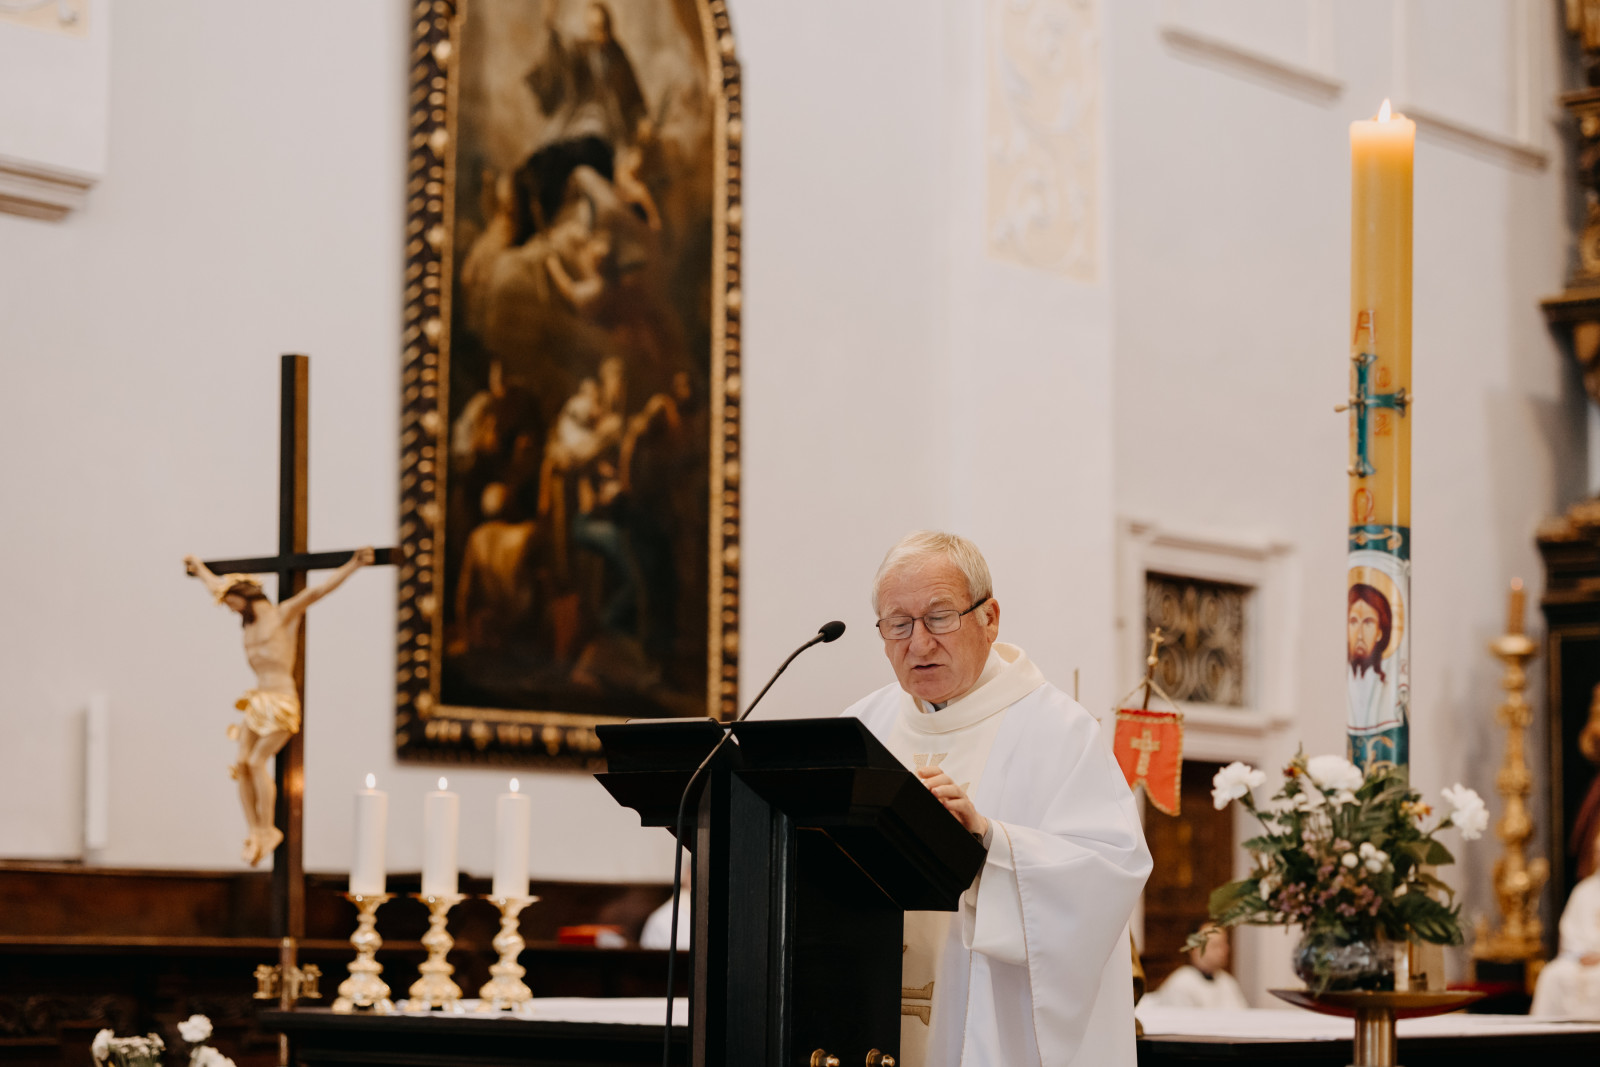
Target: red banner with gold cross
point(1149, 748)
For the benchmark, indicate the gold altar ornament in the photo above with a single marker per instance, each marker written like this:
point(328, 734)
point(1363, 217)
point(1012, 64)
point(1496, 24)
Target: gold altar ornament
point(364, 989)
point(506, 990)
point(286, 981)
point(435, 989)
point(1517, 880)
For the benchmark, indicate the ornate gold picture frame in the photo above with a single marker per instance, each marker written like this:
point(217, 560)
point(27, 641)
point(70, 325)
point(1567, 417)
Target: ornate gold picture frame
point(570, 381)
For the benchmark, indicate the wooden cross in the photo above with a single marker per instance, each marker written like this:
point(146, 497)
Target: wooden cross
point(1145, 744)
point(291, 565)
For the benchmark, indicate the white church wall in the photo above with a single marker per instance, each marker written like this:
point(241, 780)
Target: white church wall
point(1029, 331)
point(1231, 251)
point(253, 205)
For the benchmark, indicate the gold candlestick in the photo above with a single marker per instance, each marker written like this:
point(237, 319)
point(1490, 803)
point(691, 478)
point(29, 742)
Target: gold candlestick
point(364, 989)
point(435, 989)
point(506, 989)
point(1517, 880)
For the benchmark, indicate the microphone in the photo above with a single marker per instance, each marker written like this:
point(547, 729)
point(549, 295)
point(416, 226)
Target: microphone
point(826, 633)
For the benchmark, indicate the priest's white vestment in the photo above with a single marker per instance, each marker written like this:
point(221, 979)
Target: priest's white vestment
point(1568, 987)
point(1034, 968)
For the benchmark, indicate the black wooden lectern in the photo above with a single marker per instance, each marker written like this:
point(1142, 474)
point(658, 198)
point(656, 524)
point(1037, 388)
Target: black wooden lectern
point(810, 840)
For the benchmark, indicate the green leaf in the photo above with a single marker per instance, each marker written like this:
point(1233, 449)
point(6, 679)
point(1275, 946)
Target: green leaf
point(1226, 896)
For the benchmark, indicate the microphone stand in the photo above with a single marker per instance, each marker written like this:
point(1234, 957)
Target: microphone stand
point(828, 632)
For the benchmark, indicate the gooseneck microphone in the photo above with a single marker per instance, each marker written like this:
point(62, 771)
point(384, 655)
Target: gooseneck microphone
point(827, 632)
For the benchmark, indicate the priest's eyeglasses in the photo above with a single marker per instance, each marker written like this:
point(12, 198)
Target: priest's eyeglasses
point(899, 627)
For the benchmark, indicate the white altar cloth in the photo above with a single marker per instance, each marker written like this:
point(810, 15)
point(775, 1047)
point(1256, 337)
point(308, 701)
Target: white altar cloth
point(1300, 1025)
point(626, 1011)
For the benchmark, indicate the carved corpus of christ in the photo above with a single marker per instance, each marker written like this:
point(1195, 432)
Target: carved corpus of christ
point(272, 708)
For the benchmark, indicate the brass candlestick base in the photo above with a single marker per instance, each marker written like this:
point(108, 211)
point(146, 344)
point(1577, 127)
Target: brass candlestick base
point(364, 989)
point(506, 990)
point(435, 989)
point(1375, 1015)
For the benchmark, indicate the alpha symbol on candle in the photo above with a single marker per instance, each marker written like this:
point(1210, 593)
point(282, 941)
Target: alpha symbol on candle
point(1384, 112)
point(372, 782)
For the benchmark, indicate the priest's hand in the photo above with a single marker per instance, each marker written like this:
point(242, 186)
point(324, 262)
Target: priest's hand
point(954, 799)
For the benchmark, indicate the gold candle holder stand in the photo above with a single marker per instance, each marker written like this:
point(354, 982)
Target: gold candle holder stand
point(506, 990)
point(1375, 1014)
point(1518, 880)
point(364, 989)
point(435, 989)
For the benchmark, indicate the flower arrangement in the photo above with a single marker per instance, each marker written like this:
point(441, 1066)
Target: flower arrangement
point(1345, 856)
point(109, 1050)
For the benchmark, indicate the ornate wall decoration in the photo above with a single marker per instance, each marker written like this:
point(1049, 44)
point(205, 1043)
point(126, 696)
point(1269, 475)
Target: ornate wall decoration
point(570, 383)
point(1202, 659)
point(1043, 134)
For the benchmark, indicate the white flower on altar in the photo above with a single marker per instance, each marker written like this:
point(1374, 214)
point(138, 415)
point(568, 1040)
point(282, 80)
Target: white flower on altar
point(1268, 885)
point(1375, 859)
point(1309, 800)
point(1349, 859)
point(101, 1048)
point(206, 1056)
point(195, 1029)
point(1334, 773)
point(1470, 816)
point(1343, 797)
point(1234, 781)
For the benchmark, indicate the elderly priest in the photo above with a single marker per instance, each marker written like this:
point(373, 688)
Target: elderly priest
point(1034, 968)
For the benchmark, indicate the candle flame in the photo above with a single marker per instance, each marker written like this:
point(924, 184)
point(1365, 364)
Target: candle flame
point(443, 784)
point(513, 785)
point(371, 781)
point(1384, 112)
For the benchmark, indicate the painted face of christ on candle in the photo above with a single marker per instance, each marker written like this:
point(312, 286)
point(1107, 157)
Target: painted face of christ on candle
point(1368, 627)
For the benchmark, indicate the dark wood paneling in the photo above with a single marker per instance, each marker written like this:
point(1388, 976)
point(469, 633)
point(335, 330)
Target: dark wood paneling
point(137, 950)
point(1193, 855)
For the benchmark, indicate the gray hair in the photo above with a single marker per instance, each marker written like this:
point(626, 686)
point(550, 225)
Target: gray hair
point(921, 544)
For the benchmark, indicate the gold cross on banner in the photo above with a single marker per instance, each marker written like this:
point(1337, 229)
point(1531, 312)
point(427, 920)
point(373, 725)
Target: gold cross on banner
point(1144, 744)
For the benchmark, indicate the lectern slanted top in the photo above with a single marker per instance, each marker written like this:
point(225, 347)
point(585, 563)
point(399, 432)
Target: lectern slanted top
point(810, 841)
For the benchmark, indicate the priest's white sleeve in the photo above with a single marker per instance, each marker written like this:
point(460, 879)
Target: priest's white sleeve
point(1056, 897)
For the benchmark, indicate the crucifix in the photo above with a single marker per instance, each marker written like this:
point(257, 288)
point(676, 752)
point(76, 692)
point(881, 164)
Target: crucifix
point(272, 712)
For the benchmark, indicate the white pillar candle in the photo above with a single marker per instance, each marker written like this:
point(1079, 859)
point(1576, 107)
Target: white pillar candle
point(367, 872)
point(513, 822)
point(441, 818)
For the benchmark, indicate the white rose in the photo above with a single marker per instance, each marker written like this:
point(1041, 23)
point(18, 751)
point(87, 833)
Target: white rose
point(1470, 816)
point(1268, 886)
point(101, 1048)
point(195, 1029)
point(206, 1056)
point(1349, 859)
point(1233, 781)
point(1310, 800)
point(1334, 773)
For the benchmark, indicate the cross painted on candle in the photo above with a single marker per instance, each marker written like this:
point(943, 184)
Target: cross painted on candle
point(1365, 401)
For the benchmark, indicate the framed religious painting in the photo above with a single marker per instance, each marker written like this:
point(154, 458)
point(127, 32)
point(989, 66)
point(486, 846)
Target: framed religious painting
point(570, 383)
